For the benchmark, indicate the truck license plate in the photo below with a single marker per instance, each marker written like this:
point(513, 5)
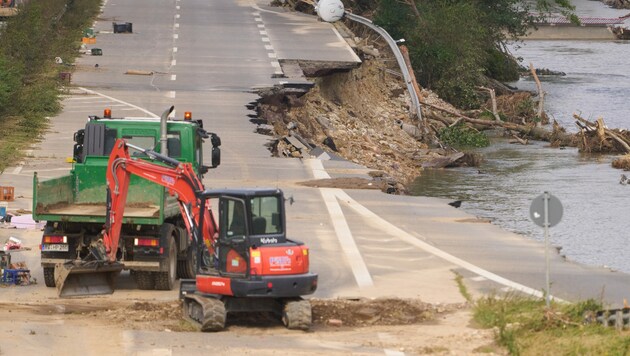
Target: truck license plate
point(55, 247)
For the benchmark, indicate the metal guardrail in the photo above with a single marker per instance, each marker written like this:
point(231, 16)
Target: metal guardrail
point(399, 58)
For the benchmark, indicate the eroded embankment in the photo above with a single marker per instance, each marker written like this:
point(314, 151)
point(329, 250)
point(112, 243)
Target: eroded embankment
point(361, 115)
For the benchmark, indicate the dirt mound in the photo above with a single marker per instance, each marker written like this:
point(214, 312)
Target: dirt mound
point(368, 312)
point(351, 312)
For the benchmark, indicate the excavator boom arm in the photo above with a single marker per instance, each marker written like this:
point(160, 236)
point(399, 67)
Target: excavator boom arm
point(179, 178)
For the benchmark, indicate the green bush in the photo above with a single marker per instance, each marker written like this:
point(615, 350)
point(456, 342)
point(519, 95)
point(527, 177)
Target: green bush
point(453, 44)
point(461, 136)
point(29, 84)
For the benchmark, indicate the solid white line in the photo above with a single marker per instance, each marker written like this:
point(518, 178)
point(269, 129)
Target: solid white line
point(348, 246)
point(120, 101)
point(95, 99)
point(354, 55)
point(392, 230)
point(342, 230)
point(173, 77)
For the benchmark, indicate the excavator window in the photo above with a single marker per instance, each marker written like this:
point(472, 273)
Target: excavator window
point(265, 215)
point(235, 219)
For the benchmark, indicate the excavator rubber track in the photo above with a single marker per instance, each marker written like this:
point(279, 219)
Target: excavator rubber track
point(207, 313)
point(75, 279)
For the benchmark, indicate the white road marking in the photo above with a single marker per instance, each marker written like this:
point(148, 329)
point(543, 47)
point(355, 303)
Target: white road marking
point(17, 170)
point(177, 16)
point(354, 55)
point(272, 55)
point(265, 39)
point(171, 94)
point(176, 25)
point(264, 33)
point(342, 230)
point(173, 77)
point(257, 19)
point(348, 246)
point(269, 47)
point(177, 7)
point(175, 36)
point(260, 25)
point(96, 99)
point(392, 230)
point(119, 101)
point(478, 279)
point(174, 62)
point(275, 64)
point(174, 49)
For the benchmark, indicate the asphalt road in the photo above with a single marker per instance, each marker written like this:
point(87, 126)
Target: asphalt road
point(207, 57)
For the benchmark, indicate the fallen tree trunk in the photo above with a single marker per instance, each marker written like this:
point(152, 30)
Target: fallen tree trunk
point(556, 137)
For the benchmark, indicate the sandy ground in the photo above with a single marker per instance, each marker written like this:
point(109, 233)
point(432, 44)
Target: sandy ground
point(33, 320)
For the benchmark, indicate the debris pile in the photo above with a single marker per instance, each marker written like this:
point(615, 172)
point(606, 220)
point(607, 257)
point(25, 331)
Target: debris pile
point(17, 274)
point(12, 243)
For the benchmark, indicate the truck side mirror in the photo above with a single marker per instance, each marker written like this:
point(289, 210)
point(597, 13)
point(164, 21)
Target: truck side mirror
point(203, 170)
point(79, 136)
point(216, 157)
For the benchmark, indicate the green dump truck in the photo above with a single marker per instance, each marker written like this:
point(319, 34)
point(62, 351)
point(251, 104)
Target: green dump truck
point(74, 206)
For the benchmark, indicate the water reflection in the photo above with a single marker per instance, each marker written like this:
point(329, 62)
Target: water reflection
point(594, 227)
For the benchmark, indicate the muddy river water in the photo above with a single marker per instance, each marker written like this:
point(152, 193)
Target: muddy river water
point(595, 228)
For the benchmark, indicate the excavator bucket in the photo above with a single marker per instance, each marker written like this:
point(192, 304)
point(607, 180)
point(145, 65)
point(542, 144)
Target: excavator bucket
point(86, 279)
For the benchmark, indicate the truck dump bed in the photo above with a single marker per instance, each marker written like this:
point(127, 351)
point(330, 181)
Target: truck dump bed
point(76, 198)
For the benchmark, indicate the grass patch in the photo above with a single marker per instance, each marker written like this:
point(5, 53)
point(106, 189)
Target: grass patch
point(524, 326)
point(459, 279)
point(29, 77)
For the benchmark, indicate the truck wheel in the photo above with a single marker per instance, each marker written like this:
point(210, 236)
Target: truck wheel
point(187, 268)
point(166, 280)
point(297, 314)
point(49, 276)
point(143, 279)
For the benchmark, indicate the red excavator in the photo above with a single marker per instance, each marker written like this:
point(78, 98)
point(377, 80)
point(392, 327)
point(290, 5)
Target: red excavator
point(244, 263)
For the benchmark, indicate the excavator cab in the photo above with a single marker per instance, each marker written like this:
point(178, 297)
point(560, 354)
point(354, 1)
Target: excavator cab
point(249, 219)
